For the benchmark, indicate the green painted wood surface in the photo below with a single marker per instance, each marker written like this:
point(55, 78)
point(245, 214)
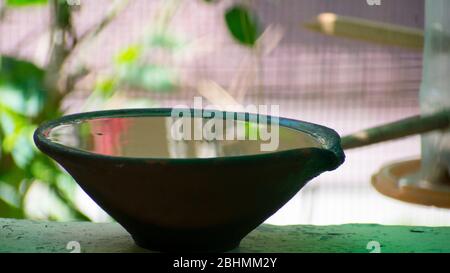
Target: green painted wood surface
point(40, 236)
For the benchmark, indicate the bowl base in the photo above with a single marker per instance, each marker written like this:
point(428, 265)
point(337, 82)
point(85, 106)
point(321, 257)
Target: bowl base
point(174, 247)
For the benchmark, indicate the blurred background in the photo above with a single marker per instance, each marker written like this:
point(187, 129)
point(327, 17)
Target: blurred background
point(67, 56)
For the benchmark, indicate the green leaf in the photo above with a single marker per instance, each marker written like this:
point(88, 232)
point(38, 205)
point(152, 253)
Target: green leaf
point(165, 40)
point(10, 195)
point(20, 3)
point(105, 87)
point(8, 121)
point(23, 149)
point(128, 55)
point(44, 170)
point(21, 86)
point(149, 77)
point(242, 24)
point(14, 176)
point(8, 211)
point(66, 185)
point(17, 137)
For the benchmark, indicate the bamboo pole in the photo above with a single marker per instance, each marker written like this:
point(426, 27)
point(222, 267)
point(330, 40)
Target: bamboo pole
point(402, 128)
point(367, 30)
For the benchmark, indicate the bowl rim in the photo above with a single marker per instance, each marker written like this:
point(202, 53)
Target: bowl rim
point(327, 137)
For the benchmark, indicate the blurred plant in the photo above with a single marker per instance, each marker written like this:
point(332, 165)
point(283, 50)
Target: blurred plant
point(245, 28)
point(31, 94)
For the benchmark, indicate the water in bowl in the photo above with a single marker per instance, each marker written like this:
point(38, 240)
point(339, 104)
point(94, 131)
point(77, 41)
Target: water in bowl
point(159, 137)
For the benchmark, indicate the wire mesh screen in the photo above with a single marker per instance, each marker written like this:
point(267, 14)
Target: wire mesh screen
point(341, 83)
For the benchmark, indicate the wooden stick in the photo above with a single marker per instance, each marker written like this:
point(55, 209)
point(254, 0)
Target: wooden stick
point(405, 127)
point(367, 30)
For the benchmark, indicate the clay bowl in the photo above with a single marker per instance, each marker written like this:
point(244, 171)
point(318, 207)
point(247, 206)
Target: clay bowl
point(192, 204)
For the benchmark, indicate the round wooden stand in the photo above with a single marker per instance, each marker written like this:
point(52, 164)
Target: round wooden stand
point(397, 180)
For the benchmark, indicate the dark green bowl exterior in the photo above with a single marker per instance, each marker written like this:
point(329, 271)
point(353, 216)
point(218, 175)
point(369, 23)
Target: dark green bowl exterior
point(198, 204)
